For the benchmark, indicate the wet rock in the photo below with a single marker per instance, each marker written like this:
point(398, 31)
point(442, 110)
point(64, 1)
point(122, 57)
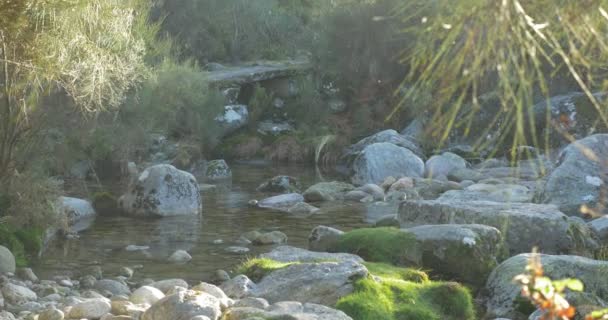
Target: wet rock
point(232, 118)
point(381, 160)
point(218, 170)
point(503, 293)
point(90, 309)
point(355, 195)
point(323, 238)
point(16, 294)
point(163, 190)
point(146, 294)
point(238, 287)
point(302, 208)
point(327, 191)
point(180, 256)
point(75, 209)
point(280, 184)
point(281, 202)
point(184, 306)
point(273, 237)
point(7, 261)
point(523, 225)
point(442, 165)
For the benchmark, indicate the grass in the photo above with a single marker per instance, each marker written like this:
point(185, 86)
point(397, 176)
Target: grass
point(23, 243)
point(388, 245)
point(257, 268)
point(384, 270)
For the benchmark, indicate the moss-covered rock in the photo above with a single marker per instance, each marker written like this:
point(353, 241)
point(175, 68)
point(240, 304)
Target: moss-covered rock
point(105, 203)
point(387, 245)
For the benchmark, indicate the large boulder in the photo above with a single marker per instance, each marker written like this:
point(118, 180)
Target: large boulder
point(379, 161)
point(16, 294)
point(218, 170)
point(465, 252)
point(184, 305)
point(162, 190)
point(579, 176)
point(327, 191)
point(293, 254)
point(232, 118)
point(7, 261)
point(386, 136)
point(287, 310)
point(442, 165)
point(323, 238)
point(523, 225)
point(490, 192)
point(78, 212)
point(311, 282)
point(503, 295)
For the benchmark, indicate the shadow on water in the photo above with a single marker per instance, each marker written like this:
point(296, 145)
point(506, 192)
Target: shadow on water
point(226, 216)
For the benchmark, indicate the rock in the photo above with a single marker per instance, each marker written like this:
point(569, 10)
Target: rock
point(112, 286)
point(218, 170)
point(280, 184)
point(180, 256)
point(387, 183)
point(579, 176)
point(232, 118)
point(251, 302)
point(168, 284)
point(381, 160)
point(50, 314)
point(490, 192)
point(238, 287)
point(220, 276)
point(215, 291)
point(327, 191)
point(90, 309)
point(271, 128)
point(237, 250)
point(442, 165)
point(278, 103)
point(126, 272)
point(75, 209)
point(355, 195)
point(374, 190)
point(214, 66)
point(16, 294)
point(464, 252)
point(323, 238)
point(5, 315)
point(322, 282)
point(162, 190)
point(386, 136)
point(600, 227)
point(26, 274)
point(287, 310)
point(523, 225)
point(7, 261)
point(293, 254)
point(503, 293)
point(232, 94)
point(303, 208)
point(146, 294)
point(281, 202)
point(389, 220)
point(274, 237)
point(336, 106)
point(184, 306)
point(402, 184)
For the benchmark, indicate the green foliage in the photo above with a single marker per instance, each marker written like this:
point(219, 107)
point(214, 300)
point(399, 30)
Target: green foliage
point(259, 103)
point(257, 268)
point(387, 245)
point(23, 243)
point(393, 299)
point(178, 101)
point(307, 108)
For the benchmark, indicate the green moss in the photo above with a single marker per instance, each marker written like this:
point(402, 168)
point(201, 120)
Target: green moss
point(257, 268)
point(23, 243)
point(389, 271)
point(395, 299)
point(387, 245)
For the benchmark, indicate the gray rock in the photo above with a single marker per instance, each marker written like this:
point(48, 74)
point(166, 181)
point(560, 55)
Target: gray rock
point(273, 237)
point(7, 261)
point(327, 191)
point(50, 314)
point(386, 136)
point(523, 225)
point(281, 202)
point(180, 256)
point(232, 118)
point(16, 294)
point(323, 238)
point(389, 220)
point(218, 170)
point(323, 282)
point(25, 274)
point(251, 302)
point(168, 284)
point(503, 293)
point(90, 309)
point(579, 176)
point(381, 160)
point(280, 184)
point(163, 190)
point(237, 250)
point(600, 227)
point(302, 208)
point(287, 310)
point(215, 291)
point(238, 287)
point(490, 192)
point(465, 252)
point(184, 306)
point(112, 286)
point(293, 254)
point(75, 209)
point(5, 315)
point(374, 190)
point(232, 94)
point(355, 195)
point(442, 165)
point(146, 294)
point(274, 128)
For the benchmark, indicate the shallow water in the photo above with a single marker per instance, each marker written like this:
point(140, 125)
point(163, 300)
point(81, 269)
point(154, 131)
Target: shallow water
point(226, 216)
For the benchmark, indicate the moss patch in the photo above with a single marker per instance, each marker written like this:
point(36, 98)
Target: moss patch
point(384, 270)
point(396, 299)
point(257, 268)
point(23, 243)
point(387, 245)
